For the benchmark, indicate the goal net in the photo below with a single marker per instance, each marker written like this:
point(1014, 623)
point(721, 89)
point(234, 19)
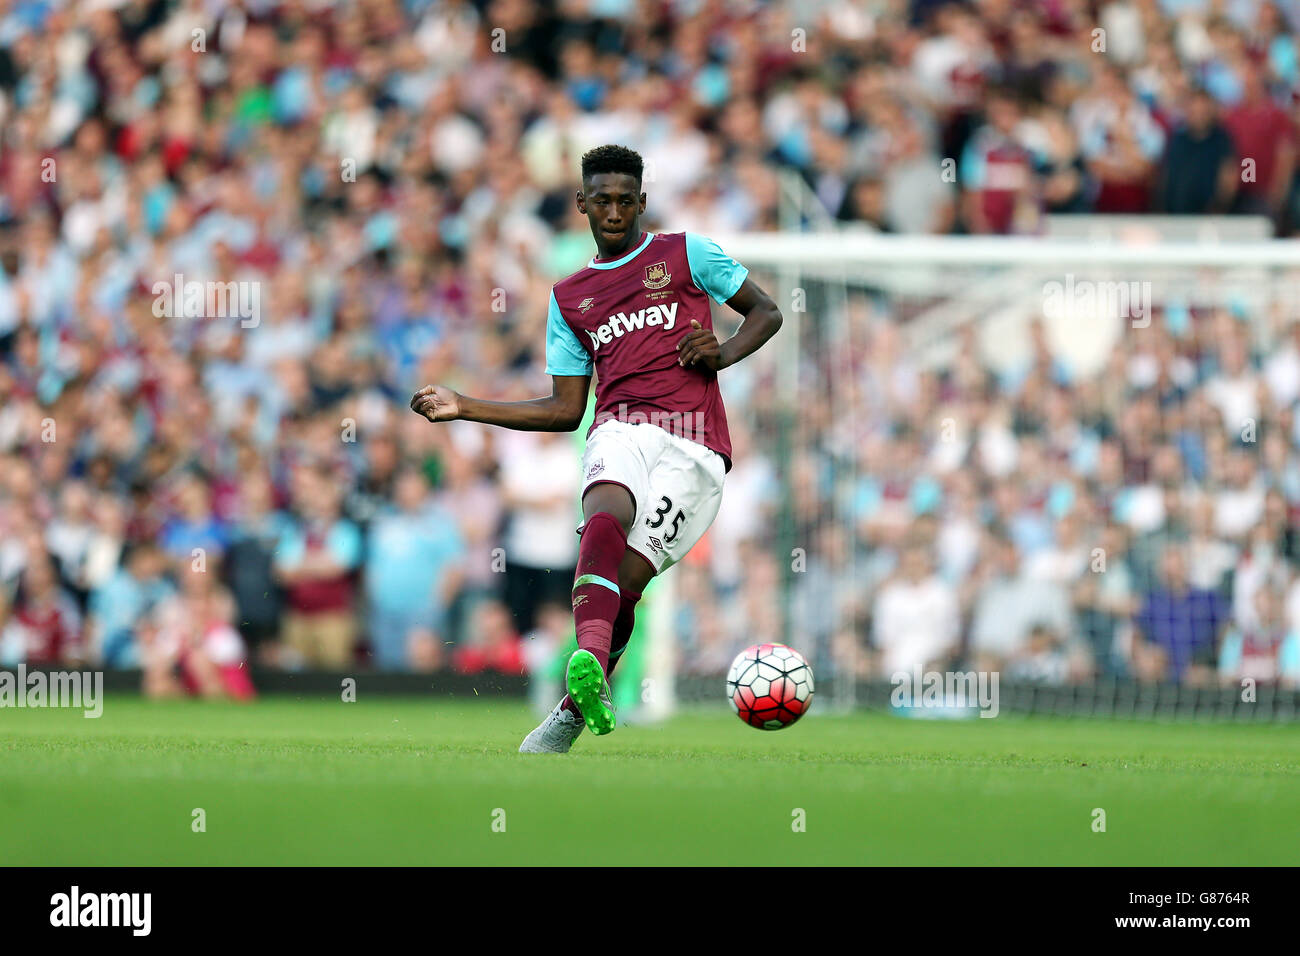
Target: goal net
point(1065, 460)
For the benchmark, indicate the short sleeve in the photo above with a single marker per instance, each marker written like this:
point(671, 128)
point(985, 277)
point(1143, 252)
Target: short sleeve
point(345, 544)
point(564, 353)
point(1230, 652)
point(290, 550)
point(1288, 657)
point(712, 269)
point(448, 543)
point(972, 167)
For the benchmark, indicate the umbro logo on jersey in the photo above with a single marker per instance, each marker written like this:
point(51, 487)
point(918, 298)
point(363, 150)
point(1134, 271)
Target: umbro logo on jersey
point(614, 327)
point(586, 304)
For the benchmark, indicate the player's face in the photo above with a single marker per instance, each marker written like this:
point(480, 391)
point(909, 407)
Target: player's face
point(612, 203)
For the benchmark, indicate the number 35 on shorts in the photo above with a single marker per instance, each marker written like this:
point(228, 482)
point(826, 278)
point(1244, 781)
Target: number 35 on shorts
point(672, 525)
point(661, 515)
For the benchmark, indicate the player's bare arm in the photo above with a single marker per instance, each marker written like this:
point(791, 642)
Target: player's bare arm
point(762, 320)
point(561, 411)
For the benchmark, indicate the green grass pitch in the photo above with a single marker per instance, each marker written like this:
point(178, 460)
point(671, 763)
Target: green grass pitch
point(402, 781)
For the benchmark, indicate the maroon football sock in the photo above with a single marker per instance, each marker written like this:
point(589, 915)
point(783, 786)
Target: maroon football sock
point(622, 628)
point(618, 640)
point(595, 586)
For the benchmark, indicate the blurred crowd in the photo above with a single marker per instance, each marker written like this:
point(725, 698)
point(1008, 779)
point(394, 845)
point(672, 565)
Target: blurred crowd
point(388, 186)
point(1142, 523)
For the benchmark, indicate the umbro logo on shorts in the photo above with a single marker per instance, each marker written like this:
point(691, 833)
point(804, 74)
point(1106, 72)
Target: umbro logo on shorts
point(656, 543)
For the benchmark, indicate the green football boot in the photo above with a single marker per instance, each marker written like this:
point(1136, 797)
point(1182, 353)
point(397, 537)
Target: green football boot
point(590, 691)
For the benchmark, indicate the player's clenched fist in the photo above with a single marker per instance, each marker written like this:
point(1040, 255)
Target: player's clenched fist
point(699, 347)
point(436, 403)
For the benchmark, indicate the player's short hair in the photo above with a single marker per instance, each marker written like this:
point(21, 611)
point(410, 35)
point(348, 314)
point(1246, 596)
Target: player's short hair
point(612, 159)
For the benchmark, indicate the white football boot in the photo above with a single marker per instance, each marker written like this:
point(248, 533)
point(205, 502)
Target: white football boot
point(555, 734)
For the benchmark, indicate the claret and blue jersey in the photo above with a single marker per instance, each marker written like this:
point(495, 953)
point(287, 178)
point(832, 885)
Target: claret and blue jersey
point(623, 319)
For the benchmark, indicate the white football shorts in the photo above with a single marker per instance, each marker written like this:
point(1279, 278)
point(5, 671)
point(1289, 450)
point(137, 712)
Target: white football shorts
point(675, 483)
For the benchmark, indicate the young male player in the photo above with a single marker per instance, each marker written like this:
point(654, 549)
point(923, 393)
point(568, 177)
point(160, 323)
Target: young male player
point(638, 315)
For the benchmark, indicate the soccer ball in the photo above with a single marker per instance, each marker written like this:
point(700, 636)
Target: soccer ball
point(770, 686)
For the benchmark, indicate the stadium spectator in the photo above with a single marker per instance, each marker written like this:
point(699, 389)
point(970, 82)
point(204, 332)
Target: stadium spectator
point(1010, 606)
point(1179, 626)
point(1266, 650)
point(1200, 173)
point(68, 538)
point(1104, 601)
point(476, 510)
point(1239, 504)
point(1261, 567)
point(997, 172)
point(493, 646)
point(1121, 142)
point(825, 591)
point(1282, 371)
point(919, 195)
point(540, 487)
point(1058, 163)
point(1263, 136)
point(122, 605)
point(315, 561)
point(44, 626)
point(1043, 659)
point(412, 574)
point(864, 205)
point(193, 647)
point(707, 646)
point(915, 621)
point(249, 568)
point(195, 533)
